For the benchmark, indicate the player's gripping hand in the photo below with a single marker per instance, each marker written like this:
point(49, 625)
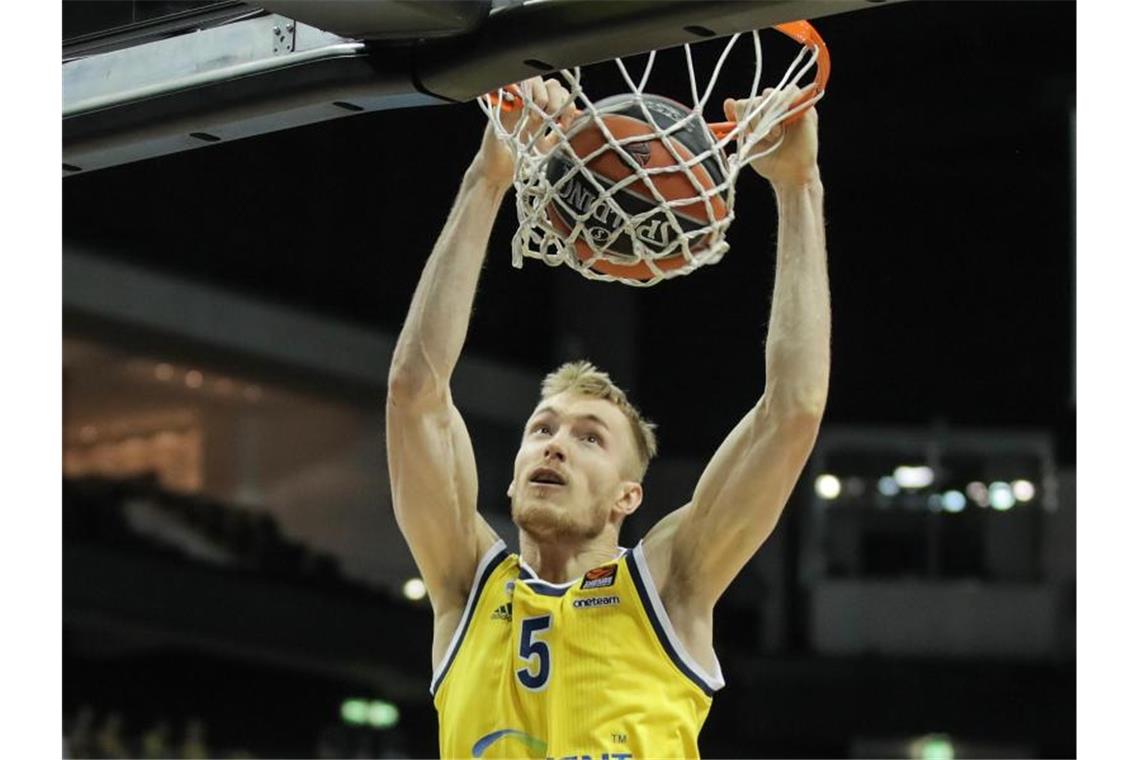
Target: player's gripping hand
point(794, 162)
point(549, 97)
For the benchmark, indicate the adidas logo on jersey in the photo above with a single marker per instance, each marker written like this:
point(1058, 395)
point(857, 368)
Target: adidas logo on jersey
point(503, 612)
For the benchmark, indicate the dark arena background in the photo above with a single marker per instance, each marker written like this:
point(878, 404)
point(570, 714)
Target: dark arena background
point(234, 583)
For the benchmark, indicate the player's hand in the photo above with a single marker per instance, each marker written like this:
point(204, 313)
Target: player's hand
point(549, 97)
point(795, 160)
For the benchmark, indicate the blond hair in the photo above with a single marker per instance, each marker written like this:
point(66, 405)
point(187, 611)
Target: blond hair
point(584, 378)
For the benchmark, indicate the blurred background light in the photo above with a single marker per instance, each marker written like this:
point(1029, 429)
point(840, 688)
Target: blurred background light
point(193, 379)
point(827, 486)
point(933, 747)
point(354, 711)
point(164, 372)
point(888, 486)
point(914, 477)
point(854, 486)
point(978, 493)
point(415, 589)
point(382, 714)
point(953, 501)
point(1001, 496)
point(1023, 490)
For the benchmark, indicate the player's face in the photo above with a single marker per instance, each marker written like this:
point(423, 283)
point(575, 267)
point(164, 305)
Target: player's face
point(573, 468)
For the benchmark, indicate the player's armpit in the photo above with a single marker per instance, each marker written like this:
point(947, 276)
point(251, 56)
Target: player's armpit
point(431, 467)
point(737, 502)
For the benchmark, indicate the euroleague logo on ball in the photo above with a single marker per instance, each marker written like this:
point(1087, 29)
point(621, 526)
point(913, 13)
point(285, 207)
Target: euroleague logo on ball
point(640, 151)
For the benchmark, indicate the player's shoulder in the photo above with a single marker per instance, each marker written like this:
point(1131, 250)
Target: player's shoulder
point(487, 553)
point(657, 545)
point(485, 538)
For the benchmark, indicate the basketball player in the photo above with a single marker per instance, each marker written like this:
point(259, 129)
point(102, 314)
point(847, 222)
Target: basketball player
point(576, 647)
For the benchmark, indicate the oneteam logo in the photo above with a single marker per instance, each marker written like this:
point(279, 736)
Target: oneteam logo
point(597, 601)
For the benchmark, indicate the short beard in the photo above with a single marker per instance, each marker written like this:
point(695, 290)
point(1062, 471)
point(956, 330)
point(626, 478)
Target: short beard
point(547, 524)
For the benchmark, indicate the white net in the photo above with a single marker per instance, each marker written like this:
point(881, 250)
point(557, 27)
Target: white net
point(637, 188)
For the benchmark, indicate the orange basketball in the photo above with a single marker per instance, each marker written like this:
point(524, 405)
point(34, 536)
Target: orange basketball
point(578, 196)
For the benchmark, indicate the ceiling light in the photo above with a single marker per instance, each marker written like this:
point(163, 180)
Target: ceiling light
point(415, 589)
point(914, 477)
point(1001, 496)
point(953, 501)
point(827, 486)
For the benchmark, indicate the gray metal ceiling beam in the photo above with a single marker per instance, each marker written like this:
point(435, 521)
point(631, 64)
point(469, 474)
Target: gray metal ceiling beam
point(243, 79)
point(386, 19)
point(273, 72)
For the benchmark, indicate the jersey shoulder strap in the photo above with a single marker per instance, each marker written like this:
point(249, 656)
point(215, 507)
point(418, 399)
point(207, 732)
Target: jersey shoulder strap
point(488, 564)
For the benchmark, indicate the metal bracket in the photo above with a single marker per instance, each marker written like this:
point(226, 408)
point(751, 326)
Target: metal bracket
point(284, 37)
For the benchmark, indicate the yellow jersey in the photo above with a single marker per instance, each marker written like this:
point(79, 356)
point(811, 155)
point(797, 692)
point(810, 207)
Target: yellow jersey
point(586, 669)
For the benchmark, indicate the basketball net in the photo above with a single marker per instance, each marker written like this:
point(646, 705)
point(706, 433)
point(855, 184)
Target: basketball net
point(676, 250)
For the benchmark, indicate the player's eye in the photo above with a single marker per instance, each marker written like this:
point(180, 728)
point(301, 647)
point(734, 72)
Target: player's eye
point(592, 438)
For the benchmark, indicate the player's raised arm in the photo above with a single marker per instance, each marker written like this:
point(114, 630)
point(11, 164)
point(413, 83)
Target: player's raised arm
point(430, 460)
point(745, 486)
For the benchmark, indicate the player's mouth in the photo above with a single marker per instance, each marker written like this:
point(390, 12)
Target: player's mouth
point(546, 476)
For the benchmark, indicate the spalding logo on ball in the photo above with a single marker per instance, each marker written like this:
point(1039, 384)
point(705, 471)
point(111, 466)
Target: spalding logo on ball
point(578, 197)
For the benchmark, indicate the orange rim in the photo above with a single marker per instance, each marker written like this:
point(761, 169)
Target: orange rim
point(805, 34)
point(800, 31)
point(508, 105)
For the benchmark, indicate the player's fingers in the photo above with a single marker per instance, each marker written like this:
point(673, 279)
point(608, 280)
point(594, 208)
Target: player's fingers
point(561, 104)
point(547, 143)
point(748, 112)
point(767, 106)
point(555, 95)
point(538, 93)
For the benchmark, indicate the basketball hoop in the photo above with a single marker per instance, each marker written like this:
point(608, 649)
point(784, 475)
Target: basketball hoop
point(635, 226)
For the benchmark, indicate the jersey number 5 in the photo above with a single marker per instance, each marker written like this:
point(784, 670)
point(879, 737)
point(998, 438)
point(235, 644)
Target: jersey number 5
point(530, 648)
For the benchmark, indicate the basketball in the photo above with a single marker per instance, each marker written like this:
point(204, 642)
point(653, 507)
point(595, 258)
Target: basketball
point(607, 164)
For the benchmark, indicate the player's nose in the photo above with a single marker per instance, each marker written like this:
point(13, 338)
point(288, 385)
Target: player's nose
point(554, 451)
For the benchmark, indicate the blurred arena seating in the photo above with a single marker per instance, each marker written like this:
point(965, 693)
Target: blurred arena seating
point(138, 515)
point(89, 733)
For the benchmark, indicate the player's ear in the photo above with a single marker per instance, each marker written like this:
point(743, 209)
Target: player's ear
point(629, 498)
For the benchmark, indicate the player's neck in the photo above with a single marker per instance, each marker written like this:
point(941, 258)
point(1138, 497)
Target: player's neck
point(561, 562)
